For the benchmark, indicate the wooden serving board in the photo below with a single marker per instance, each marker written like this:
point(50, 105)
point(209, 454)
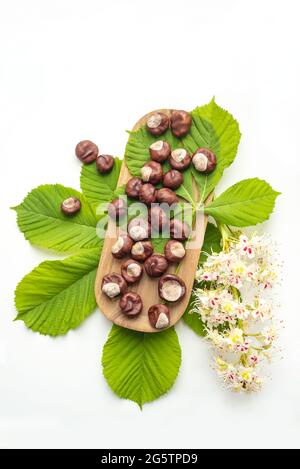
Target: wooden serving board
point(147, 287)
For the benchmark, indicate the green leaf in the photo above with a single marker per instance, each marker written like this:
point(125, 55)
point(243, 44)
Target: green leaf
point(211, 243)
point(246, 203)
point(58, 295)
point(193, 320)
point(41, 220)
point(99, 188)
point(216, 129)
point(137, 148)
point(139, 366)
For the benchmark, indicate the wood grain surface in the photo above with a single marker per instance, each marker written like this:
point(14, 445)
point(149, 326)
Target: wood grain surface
point(147, 287)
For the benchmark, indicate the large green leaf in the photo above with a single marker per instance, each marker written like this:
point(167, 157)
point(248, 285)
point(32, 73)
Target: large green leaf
point(246, 203)
point(216, 129)
point(41, 220)
point(141, 367)
point(99, 188)
point(58, 295)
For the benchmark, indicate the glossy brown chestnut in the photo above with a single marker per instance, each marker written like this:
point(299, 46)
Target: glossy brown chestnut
point(131, 304)
point(141, 250)
point(133, 187)
point(180, 122)
point(172, 179)
point(86, 151)
point(180, 159)
point(117, 209)
point(166, 196)
point(138, 229)
point(159, 316)
point(105, 163)
point(171, 288)
point(113, 285)
point(174, 251)
point(204, 160)
point(179, 230)
point(156, 265)
point(70, 206)
point(152, 172)
point(158, 218)
point(132, 271)
point(147, 194)
point(160, 151)
point(122, 246)
point(157, 123)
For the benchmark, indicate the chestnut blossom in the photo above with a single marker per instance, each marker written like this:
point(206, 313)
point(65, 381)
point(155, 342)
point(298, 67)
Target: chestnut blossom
point(231, 300)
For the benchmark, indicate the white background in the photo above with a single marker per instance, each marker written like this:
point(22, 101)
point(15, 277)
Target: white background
point(74, 69)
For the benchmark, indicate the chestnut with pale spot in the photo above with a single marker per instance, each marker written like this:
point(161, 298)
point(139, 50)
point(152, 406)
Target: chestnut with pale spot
point(70, 206)
point(131, 304)
point(142, 250)
point(131, 271)
point(180, 159)
point(171, 288)
point(160, 151)
point(86, 151)
point(152, 172)
point(159, 316)
point(174, 251)
point(113, 285)
point(157, 123)
point(204, 160)
point(138, 229)
point(122, 246)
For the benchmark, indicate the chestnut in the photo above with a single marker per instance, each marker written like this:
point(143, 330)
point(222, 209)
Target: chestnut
point(172, 179)
point(166, 196)
point(180, 122)
point(131, 271)
point(152, 172)
point(138, 229)
point(180, 159)
point(179, 230)
point(70, 206)
point(174, 251)
point(131, 304)
point(147, 194)
point(122, 246)
point(158, 218)
point(86, 151)
point(141, 250)
point(157, 123)
point(160, 151)
point(156, 265)
point(204, 160)
point(159, 316)
point(113, 285)
point(105, 163)
point(133, 187)
point(171, 288)
point(117, 209)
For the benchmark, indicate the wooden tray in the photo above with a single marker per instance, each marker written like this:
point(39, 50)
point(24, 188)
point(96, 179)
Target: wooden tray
point(147, 287)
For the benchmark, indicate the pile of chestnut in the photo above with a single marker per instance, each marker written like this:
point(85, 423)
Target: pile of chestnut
point(135, 243)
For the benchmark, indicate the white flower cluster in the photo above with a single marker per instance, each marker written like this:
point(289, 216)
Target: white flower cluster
point(232, 302)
